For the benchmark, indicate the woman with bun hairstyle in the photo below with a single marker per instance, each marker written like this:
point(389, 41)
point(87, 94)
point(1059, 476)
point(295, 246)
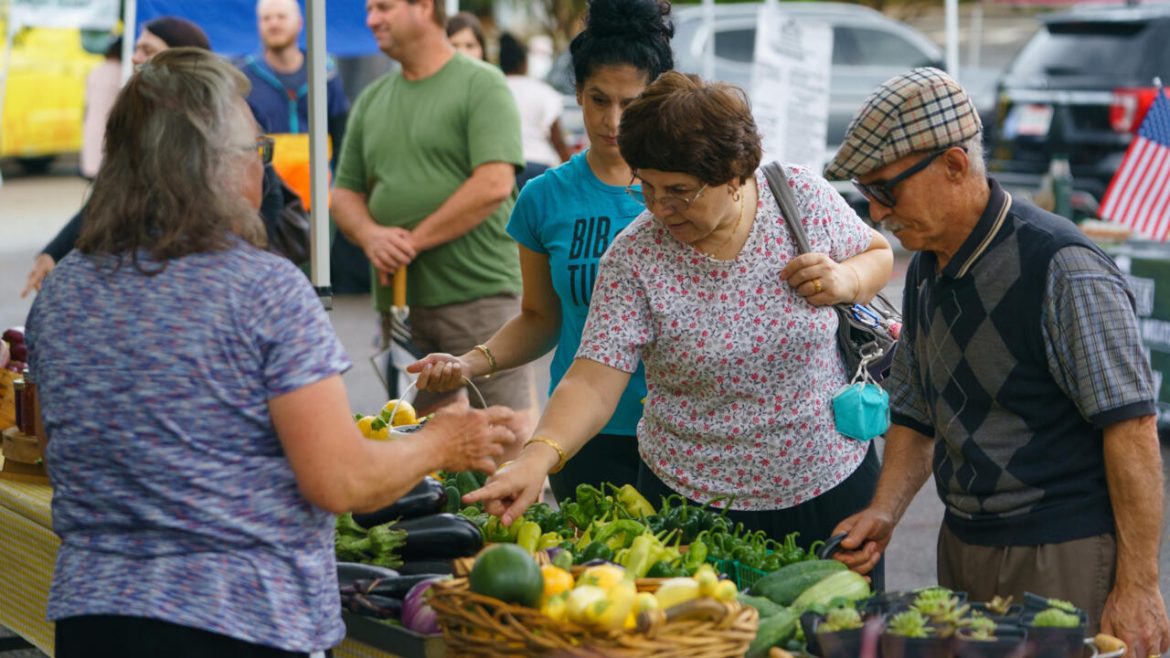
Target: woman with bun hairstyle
point(564, 220)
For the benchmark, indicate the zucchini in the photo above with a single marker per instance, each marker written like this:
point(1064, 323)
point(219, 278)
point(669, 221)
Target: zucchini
point(764, 606)
point(774, 631)
point(843, 585)
point(785, 584)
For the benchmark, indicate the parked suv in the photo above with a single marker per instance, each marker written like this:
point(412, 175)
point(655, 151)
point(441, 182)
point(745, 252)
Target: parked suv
point(1080, 87)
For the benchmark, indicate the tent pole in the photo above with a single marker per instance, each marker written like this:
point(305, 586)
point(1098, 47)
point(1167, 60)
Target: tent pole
point(129, 34)
point(318, 153)
point(952, 28)
point(709, 47)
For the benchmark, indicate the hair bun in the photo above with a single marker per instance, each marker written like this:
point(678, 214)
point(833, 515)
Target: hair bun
point(633, 19)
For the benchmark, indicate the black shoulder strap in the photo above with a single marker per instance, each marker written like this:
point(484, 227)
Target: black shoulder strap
point(779, 184)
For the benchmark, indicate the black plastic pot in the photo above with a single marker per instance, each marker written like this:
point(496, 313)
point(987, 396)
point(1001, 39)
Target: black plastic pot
point(1013, 617)
point(893, 646)
point(1056, 642)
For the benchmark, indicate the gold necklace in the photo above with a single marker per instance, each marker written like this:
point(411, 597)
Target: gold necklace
point(734, 229)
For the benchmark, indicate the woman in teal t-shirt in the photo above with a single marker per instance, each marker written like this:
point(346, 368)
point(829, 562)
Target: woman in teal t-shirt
point(564, 220)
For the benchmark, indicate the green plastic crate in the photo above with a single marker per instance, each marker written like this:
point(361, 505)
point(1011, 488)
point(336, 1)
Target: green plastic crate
point(741, 574)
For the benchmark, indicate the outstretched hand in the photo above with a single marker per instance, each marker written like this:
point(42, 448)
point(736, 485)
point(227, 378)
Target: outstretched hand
point(439, 372)
point(471, 439)
point(513, 488)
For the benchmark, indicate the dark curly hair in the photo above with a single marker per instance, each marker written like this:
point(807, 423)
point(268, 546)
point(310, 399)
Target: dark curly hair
point(633, 32)
point(683, 124)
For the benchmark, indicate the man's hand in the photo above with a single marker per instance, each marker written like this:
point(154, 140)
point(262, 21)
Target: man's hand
point(1137, 616)
point(869, 532)
point(388, 248)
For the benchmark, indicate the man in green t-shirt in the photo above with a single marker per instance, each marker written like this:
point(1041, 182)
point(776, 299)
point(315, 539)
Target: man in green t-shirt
point(426, 179)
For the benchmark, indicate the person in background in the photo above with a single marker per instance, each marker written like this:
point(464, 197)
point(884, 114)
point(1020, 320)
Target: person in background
point(426, 179)
point(564, 220)
point(735, 328)
point(195, 493)
point(280, 102)
point(156, 36)
point(465, 33)
point(101, 86)
point(1020, 344)
point(280, 78)
point(540, 111)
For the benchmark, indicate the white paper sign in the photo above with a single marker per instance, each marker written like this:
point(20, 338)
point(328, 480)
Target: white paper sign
point(88, 14)
point(790, 86)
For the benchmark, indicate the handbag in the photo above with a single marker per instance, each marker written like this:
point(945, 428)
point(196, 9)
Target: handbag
point(867, 333)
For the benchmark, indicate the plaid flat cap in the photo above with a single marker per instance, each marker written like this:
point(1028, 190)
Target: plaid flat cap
point(921, 110)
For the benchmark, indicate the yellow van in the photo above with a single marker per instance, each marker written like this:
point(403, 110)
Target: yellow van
point(45, 98)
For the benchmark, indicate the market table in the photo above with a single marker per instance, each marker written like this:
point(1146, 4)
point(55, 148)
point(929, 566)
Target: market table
point(26, 569)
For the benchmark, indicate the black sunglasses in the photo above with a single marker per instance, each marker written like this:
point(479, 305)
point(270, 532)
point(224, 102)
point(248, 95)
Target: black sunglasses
point(882, 192)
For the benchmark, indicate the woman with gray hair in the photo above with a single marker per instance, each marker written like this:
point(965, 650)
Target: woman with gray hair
point(200, 439)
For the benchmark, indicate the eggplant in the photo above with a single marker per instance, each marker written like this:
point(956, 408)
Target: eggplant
point(371, 605)
point(427, 568)
point(426, 498)
point(439, 537)
point(348, 572)
point(397, 588)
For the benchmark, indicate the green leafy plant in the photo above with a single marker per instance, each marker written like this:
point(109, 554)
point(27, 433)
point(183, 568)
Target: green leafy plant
point(979, 628)
point(1000, 605)
point(941, 608)
point(1056, 618)
point(1061, 604)
point(910, 623)
point(840, 619)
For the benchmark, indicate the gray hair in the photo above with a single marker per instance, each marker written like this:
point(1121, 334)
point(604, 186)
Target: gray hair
point(168, 183)
point(976, 156)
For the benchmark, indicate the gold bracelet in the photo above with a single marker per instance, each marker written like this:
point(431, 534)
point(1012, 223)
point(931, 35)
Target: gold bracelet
point(555, 446)
point(487, 354)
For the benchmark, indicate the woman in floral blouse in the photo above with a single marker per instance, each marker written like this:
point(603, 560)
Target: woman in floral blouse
point(734, 327)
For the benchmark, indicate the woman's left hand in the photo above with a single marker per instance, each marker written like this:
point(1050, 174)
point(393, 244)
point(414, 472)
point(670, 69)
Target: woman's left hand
point(821, 280)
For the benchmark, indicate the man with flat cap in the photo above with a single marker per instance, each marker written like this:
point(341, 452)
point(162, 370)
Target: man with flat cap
point(1020, 380)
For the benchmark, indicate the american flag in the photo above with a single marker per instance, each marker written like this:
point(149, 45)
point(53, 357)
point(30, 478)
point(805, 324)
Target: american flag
point(1139, 194)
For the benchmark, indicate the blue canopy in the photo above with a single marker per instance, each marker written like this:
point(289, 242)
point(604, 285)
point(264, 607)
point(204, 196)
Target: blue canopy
point(231, 24)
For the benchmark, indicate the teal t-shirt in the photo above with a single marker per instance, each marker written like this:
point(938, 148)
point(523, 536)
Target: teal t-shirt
point(409, 145)
point(571, 216)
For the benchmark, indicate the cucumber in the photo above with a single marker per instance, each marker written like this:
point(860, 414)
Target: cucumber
point(787, 583)
point(773, 631)
point(764, 606)
point(846, 585)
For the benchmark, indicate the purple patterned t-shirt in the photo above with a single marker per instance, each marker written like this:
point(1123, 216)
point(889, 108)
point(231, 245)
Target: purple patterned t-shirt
point(172, 494)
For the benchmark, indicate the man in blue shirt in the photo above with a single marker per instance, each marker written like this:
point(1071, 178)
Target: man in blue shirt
point(280, 77)
point(280, 101)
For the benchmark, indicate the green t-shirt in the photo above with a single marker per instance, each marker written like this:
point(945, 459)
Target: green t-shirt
point(409, 145)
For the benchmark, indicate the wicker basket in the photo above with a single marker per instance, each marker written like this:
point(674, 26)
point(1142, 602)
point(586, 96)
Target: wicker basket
point(480, 626)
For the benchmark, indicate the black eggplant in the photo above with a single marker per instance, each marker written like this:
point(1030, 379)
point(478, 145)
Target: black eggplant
point(439, 537)
point(426, 498)
point(396, 588)
point(371, 605)
point(348, 572)
point(427, 568)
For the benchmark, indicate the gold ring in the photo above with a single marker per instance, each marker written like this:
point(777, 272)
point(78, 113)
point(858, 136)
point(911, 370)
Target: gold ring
point(817, 286)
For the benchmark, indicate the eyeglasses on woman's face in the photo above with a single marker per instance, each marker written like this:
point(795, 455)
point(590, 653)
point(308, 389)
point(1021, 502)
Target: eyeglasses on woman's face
point(263, 147)
point(674, 203)
point(882, 192)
